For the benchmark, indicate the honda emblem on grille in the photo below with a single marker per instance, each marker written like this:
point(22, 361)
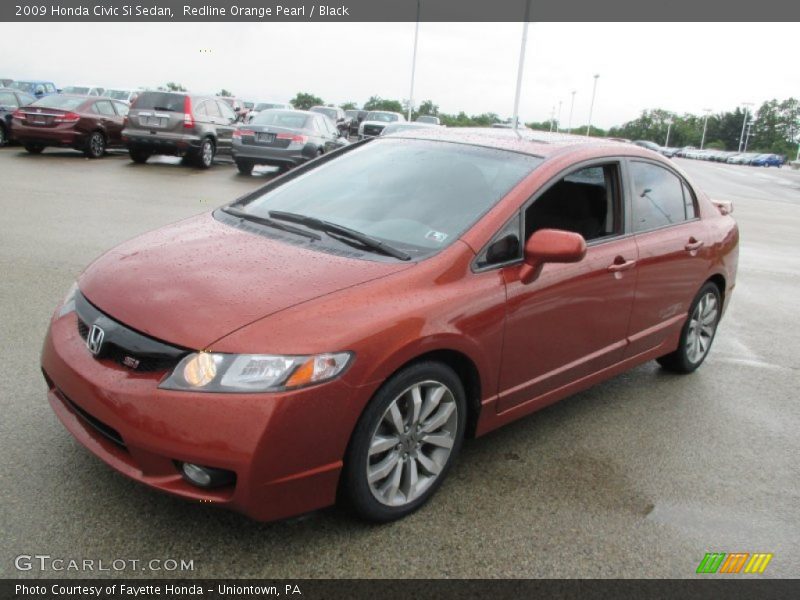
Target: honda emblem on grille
point(94, 341)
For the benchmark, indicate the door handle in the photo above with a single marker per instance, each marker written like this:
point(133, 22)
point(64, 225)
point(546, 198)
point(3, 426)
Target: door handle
point(693, 245)
point(620, 264)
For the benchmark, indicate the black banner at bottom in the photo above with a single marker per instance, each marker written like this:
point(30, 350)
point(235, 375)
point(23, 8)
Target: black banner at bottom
point(396, 589)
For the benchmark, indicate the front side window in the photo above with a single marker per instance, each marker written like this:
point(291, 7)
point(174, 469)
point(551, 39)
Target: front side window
point(658, 197)
point(104, 108)
point(585, 201)
point(417, 195)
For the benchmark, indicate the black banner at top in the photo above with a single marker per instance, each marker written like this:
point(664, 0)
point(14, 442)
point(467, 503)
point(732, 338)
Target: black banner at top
point(394, 10)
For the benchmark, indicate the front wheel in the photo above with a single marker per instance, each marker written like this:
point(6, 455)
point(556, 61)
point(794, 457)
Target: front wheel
point(3, 136)
point(205, 157)
point(95, 145)
point(405, 442)
point(697, 333)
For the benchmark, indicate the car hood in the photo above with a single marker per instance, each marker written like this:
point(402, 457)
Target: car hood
point(198, 280)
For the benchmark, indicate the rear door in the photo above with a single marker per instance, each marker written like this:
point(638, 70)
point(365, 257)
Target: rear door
point(225, 124)
point(110, 121)
point(673, 255)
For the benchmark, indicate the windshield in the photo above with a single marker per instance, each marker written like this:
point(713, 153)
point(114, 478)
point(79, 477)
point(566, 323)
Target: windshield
point(160, 101)
point(72, 89)
point(381, 116)
point(330, 112)
point(59, 102)
point(416, 195)
point(117, 94)
point(25, 86)
point(282, 118)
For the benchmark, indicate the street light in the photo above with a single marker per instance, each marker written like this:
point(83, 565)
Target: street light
point(591, 106)
point(669, 126)
point(747, 139)
point(705, 124)
point(744, 122)
point(571, 106)
point(523, 45)
point(413, 65)
point(558, 119)
point(552, 118)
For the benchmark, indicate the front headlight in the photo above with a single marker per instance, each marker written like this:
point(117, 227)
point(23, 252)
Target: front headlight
point(214, 372)
point(68, 303)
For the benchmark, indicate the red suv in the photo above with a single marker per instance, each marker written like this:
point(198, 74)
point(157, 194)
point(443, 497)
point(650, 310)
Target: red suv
point(86, 123)
point(340, 330)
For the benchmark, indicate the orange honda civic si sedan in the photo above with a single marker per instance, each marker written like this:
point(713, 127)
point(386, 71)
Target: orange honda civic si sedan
point(337, 333)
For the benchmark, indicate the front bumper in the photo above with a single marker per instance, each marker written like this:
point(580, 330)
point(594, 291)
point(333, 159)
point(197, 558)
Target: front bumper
point(285, 448)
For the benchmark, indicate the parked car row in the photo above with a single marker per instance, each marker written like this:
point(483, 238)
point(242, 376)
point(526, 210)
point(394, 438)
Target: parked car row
point(754, 159)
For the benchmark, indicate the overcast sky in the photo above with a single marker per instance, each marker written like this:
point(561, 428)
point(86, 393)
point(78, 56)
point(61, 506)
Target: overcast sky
point(460, 66)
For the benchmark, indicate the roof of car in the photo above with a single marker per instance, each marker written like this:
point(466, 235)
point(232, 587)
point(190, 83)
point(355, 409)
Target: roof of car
point(536, 143)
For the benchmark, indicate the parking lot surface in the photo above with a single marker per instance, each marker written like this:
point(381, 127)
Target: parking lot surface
point(637, 477)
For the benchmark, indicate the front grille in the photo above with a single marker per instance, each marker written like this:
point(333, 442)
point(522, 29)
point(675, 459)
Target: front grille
point(96, 424)
point(124, 345)
point(373, 129)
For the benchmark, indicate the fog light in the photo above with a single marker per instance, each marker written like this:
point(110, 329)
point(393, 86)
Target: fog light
point(206, 477)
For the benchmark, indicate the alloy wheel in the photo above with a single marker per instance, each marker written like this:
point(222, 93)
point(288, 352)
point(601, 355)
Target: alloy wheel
point(96, 145)
point(207, 155)
point(412, 443)
point(702, 325)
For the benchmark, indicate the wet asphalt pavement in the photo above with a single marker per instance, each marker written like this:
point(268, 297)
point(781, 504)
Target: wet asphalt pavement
point(637, 477)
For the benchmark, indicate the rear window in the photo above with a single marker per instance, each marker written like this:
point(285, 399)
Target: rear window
point(281, 118)
point(330, 112)
point(59, 102)
point(117, 94)
point(160, 101)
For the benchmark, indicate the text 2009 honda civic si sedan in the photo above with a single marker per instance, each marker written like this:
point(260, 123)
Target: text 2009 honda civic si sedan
point(338, 332)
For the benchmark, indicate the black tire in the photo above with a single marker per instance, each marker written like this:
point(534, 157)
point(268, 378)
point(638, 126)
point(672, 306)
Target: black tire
point(34, 148)
point(682, 359)
point(95, 145)
point(245, 167)
point(3, 136)
point(139, 156)
point(205, 155)
point(355, 489)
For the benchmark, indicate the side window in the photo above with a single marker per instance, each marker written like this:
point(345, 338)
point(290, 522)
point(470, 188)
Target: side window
point(504, 247)
point(200, 111)
point(586, 201)
point(226, 111)
point(212, 109)
point(51, 89)
point(658, 198)
point(104, 108)
point(8, 99)
point(122, 109)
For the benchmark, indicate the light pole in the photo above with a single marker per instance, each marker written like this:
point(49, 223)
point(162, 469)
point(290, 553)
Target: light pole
point(522, 46)
point(552, 118)
point(413, 65)
point(744, 123)
point(669, 126)
point(705, 124)
point(558, 119)
point(747, 139)
point(571, 106)
point(591, 106)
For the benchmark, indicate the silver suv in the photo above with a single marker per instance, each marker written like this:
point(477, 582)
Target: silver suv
point(179, 124)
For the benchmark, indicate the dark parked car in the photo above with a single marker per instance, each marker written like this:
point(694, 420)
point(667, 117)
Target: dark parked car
point(179, 124)
point(375, 121)
point(356, 117)
point(35, 88)
point(336, 115)
point(10, 100)
point(337, 334)
point(649, 145)
point(86, 123)
point(284, 138)
point(767, 160)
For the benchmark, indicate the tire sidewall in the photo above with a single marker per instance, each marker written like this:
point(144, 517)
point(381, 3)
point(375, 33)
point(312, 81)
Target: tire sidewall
point(90, 150)
point(354, 479)
point(201, 155)
point(689, 366)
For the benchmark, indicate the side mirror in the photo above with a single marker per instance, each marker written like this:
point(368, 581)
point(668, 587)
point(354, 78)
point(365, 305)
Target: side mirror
point(550, 246)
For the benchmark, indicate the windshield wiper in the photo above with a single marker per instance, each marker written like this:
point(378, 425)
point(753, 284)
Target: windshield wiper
point(269, 222)
point(335, 230)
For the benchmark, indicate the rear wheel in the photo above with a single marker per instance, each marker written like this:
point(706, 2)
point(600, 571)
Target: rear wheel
point(34, 148)
point(95, 145)
point(697, 333)
point(205, 156)
point(139, 156)
point(405, 442)
point(245, 167)
point(3, 136)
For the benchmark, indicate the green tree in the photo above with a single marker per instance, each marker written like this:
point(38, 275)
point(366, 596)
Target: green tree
point(350, 105)
point(171, 86)
point(225, 93)
point(427, 107)
point(304, 101)
point(378, 103)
